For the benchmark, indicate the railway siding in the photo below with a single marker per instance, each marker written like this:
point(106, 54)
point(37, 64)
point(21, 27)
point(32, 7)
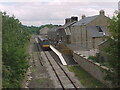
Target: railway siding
point(38, 75)
point(51, 72)
point(72, 77)
point(57, 74)
point(63, 78)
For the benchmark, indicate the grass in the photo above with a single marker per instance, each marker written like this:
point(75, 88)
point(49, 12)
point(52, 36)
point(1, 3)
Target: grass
point(85, 78)
point(93, 58)
point(41, 81)
point(33, 69)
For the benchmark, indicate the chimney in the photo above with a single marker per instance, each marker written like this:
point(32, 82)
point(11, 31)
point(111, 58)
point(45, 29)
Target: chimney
point(83, 16)
point(101, 12)
point(74, 19)
point(119, 7)
point(67, 20)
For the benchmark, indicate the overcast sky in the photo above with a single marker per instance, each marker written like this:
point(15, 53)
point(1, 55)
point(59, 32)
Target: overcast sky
point(42, 12)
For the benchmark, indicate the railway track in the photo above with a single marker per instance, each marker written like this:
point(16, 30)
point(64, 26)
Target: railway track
point(61, 78)
point(38, 54)
point(33, 59)
point(72, 80)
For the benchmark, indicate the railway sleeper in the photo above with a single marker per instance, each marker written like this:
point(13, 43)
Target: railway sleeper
point(63, 78)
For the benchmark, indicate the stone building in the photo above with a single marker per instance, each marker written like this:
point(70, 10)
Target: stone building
point(62, 32)
point(52, 33)
point(65, 30)
point(88, 32)
point(44, 31)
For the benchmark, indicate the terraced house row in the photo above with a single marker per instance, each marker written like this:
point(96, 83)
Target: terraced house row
point(84, 36)
point(84, 41)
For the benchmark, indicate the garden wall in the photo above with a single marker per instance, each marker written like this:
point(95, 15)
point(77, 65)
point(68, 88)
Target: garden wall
point(95, 69)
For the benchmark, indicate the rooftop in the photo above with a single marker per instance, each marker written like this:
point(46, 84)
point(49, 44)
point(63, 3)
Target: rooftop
point(85, 21)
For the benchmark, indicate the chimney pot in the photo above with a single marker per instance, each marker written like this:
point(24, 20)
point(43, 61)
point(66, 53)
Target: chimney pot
point(74, 19)
point(67, 20)
point(102, 12)
point(83, 16)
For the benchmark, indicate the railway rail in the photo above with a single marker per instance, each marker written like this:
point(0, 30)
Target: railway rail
point(61, 78)
point(38, 53)
point(33, 59)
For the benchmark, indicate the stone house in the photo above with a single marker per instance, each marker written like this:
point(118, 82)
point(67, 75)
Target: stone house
point(89, 31)
point(52, 33)
point(65, 30)
point(44, 31)
point(62, 32)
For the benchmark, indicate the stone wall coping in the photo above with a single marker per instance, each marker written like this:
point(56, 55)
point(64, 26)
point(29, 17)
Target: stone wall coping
point(95, 63)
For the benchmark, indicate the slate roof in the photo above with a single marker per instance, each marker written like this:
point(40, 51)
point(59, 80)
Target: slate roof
point(67, 31)
point(85, 21)
point(94, 32)
point(44, 30)
point(53, 29)
point(69, 24)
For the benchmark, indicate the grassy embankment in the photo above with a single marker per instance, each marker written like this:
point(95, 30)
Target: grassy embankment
point(85, 78)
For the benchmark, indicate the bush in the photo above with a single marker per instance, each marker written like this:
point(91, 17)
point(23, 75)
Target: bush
point(93, 58)
point(13, 51)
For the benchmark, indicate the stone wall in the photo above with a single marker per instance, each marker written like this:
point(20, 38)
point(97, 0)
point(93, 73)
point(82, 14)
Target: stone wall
point(95, 69)
point(65, 50)
point(80, 34)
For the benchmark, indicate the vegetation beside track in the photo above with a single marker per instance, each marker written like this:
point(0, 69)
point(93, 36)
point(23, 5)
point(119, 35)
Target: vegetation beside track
point(85, 78)
point(14, 56)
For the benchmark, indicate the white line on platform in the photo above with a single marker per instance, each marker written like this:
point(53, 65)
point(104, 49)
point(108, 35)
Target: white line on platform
point(59, 55)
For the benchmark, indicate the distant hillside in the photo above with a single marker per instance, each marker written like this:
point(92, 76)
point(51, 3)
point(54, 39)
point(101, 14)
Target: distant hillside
point(32, 29)
point(48, 25)
point(44, 28)
point(35, 30)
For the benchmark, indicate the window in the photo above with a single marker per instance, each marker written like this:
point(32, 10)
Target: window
point(99, 29)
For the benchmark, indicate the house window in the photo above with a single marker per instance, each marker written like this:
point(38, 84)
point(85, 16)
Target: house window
point(99, 29)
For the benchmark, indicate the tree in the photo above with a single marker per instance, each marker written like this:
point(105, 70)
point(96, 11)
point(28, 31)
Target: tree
point(14, 56)
point(113, 51)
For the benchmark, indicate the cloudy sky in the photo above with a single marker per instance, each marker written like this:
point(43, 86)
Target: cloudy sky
point(39, 12)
